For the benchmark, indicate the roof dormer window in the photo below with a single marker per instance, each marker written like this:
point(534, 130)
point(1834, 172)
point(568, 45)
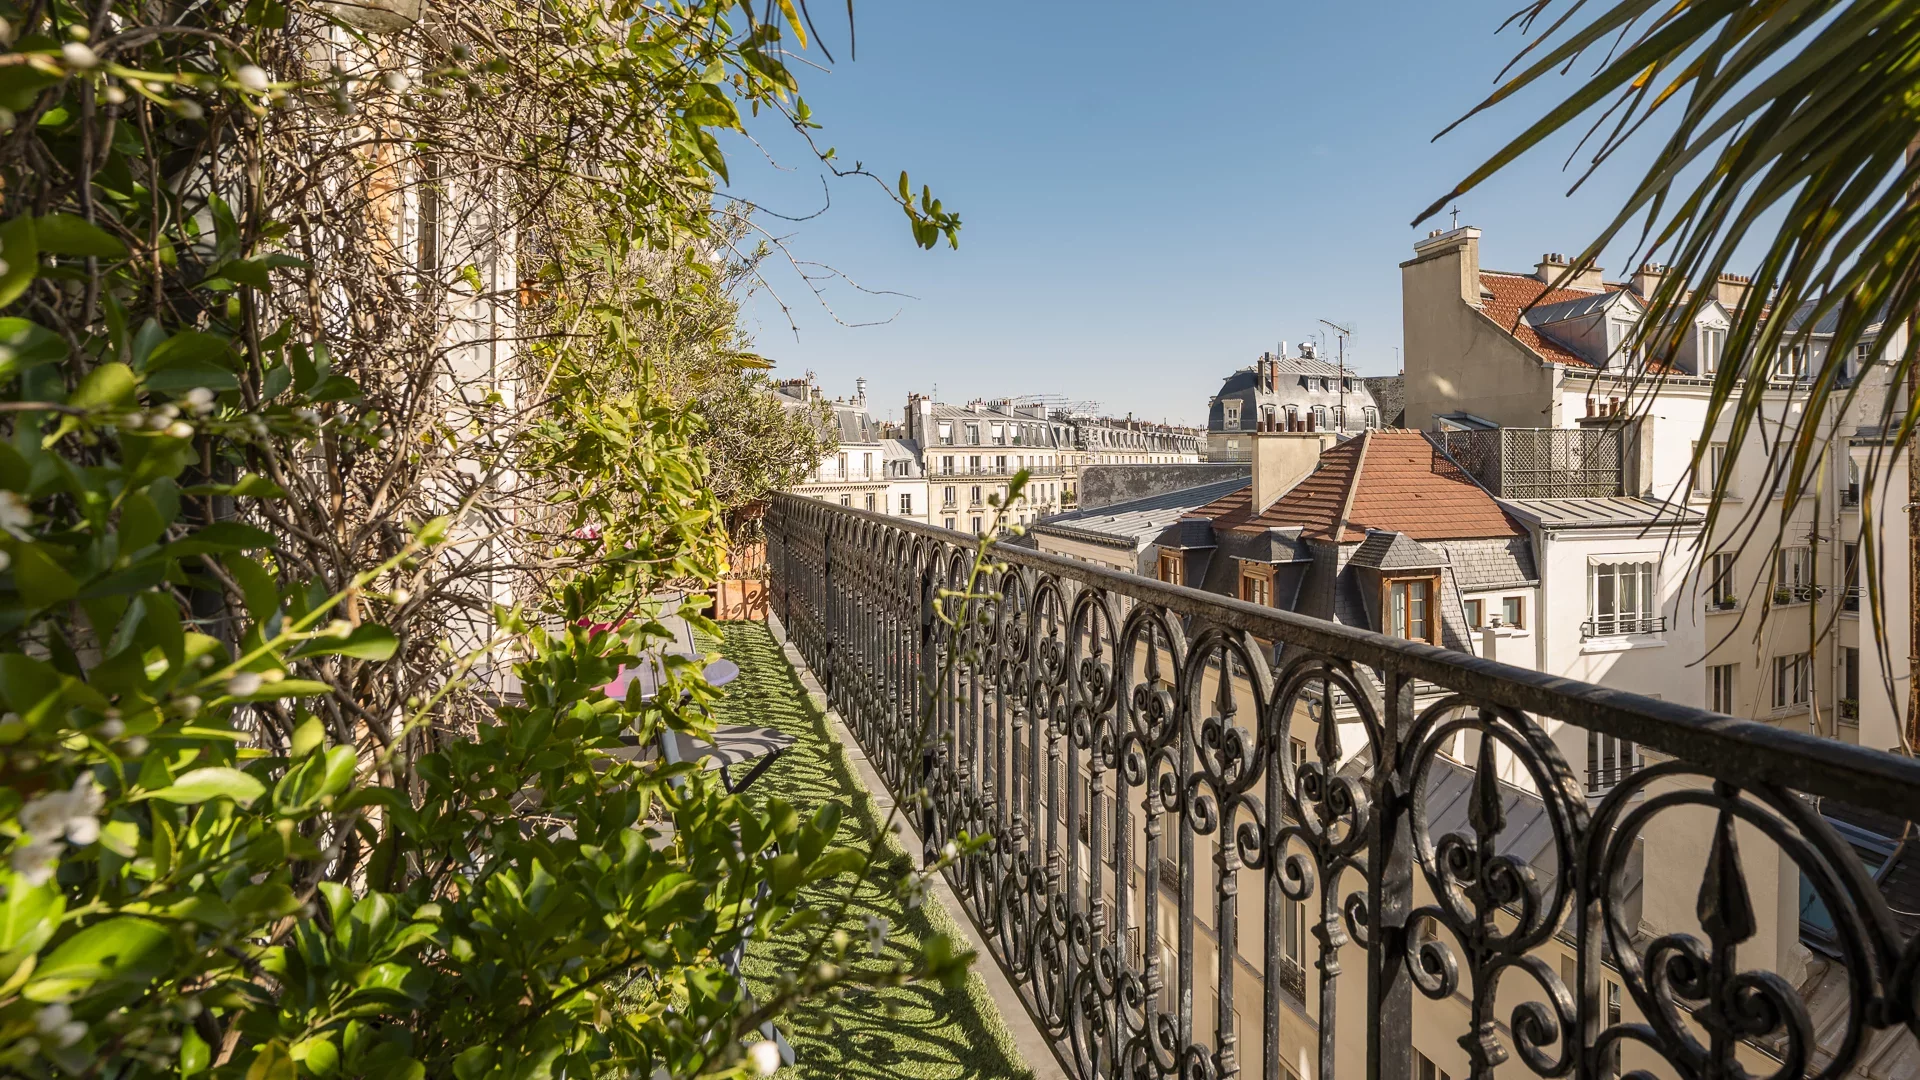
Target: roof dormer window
point(1713, 344)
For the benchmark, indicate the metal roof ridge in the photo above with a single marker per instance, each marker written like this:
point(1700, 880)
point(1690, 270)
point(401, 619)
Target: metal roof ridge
point(1353, 485)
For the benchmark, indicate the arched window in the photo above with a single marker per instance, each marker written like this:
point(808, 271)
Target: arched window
point(1370, 416)
point(1320, 418)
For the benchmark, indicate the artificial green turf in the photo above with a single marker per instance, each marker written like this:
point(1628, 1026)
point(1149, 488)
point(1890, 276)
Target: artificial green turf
point(921, 1031)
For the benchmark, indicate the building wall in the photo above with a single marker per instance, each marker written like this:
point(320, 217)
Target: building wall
point(1458, 359)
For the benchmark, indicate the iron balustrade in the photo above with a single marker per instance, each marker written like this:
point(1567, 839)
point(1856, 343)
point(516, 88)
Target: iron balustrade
point(1622, 625)
point(1170, 722)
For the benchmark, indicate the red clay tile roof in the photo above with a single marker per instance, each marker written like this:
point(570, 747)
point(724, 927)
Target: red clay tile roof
point(1514, 294)
point(1404, 485)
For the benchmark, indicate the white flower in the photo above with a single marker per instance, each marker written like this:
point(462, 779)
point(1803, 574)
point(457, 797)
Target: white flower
point(180, 429)
point(71, 813)
point(56, 1022)
point(876, 933)
point(200, 400)
point(169, 411)
point(916, 892)
point(135, 747)
point(7, 119)
point(338, 628)
point(34, 861)
point(15, 515)
point(189, 704)
point(311, 416)
point(114, 95)
point(397, 81)
point(189, 109)
point(250, 77)
point(6, 560)
point(950, 851)
point(765, 1056)
point(243, 684)
point(399, 596)
point(112, 728)
point(79, 56)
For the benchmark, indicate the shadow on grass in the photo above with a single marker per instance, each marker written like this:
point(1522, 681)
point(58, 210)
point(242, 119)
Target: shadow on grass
point(921, 1032)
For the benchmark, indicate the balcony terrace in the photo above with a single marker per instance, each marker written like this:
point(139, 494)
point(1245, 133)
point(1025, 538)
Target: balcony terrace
point(1418, 887)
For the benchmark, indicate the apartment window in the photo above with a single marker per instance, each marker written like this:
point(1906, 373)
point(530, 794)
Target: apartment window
point(946, 437)
point(906, 505)
point(1792, 575)
point(1850, 683)
point(999, 434)
point(1425, 1069)
point(1476, 614)
point(1230, 415)
point(1720, 687)
point(1370, 416)
point(973, 434)
point(1620, 600)
point(1792, 675)
point(1173, 568)
point(973, 464)
point(1294, 937)
point(1256, 587)
point(843, 466)
point(976, 496)
point(870, 501)
point(1320, 418)
point(951, 496)
point(1707, 473)
point(1850, 561)
point(1792, 363)
point(947, 522)
point(866, 466)
point(1713, 344)
point(1513, 610)
point(1000, 463)
point(1609, 761)
point(1612, 1063)
point(1409, 603)
point(976, 524)
point(846, 500)
point(1720, 585)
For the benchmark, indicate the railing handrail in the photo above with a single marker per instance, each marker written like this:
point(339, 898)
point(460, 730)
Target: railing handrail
point(1746, 751)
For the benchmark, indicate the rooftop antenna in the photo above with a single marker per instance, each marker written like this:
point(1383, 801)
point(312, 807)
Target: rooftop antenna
point(1344, 333)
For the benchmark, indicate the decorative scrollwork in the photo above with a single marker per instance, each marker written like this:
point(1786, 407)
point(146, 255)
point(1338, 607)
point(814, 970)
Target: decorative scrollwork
point(1190, 803)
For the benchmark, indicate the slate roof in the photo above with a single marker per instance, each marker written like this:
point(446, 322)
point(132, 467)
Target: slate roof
point(1829, 320)
point(1139, 522)
point(1492, 564)
point(1395, 481)
point(1395, 551)
point(1584, 304)
point(1390, 394)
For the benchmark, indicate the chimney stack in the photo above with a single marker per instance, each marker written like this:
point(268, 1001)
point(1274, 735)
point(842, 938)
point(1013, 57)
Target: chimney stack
point(1731, 290)
point(1281, 459)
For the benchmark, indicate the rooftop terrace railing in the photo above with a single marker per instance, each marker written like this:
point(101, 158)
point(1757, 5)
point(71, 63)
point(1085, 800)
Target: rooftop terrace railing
point(1191, 875)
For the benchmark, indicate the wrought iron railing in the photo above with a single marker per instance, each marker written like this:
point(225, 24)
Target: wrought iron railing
point(1433, 830)
point(1622, 625)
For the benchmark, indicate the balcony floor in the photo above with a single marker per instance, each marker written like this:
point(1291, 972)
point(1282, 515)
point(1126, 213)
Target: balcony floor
point(922, 1032)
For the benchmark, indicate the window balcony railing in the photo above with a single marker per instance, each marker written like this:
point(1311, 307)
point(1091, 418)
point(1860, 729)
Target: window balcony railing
point(1603, 626)
point(1797, 594)
point(1153, 711)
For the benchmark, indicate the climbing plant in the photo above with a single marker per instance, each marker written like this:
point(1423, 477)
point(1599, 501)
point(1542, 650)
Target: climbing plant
point(315, 549)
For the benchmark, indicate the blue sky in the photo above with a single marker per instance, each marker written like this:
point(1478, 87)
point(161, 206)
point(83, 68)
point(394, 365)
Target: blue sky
point(1151, 194)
